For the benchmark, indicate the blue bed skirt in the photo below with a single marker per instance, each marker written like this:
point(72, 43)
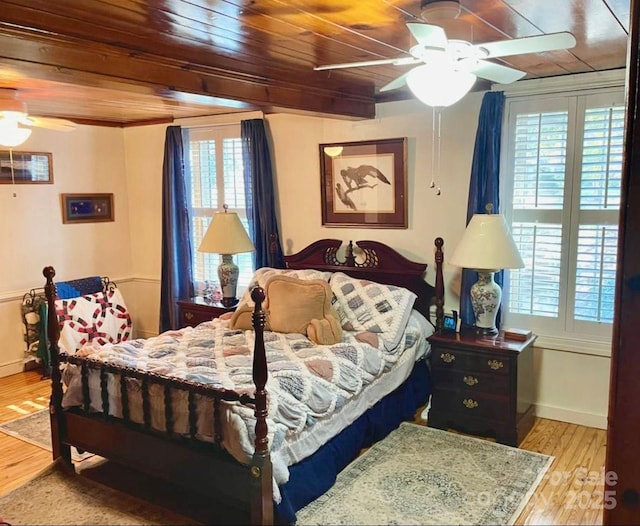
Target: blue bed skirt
point(314, 475)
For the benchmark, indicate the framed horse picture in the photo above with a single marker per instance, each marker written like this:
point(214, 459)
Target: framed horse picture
point(364, 183)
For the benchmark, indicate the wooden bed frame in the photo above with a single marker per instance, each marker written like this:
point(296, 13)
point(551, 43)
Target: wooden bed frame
point(200, 466)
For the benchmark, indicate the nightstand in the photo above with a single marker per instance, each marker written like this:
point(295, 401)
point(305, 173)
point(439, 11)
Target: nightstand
point(196, 310)
point(482, 385)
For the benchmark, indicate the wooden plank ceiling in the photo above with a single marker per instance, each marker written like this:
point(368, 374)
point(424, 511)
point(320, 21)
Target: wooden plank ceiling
point(128, 62)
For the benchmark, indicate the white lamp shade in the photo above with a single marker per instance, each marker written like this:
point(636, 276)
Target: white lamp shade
point(487, 245)
point(438, 84)
point(226, 235)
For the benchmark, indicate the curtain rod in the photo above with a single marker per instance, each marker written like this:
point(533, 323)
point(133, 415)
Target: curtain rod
point(218, 120)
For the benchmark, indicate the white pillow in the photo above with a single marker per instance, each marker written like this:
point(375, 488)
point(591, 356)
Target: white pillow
point(262, 275)
point(369, 306)
point(96, 317)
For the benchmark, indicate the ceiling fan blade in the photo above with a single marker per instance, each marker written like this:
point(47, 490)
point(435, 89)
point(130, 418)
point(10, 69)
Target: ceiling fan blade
point(428, 35)
point(49, 123)
point(520, 46)
point(402, 61)
point(395, 83)
point(496, 72)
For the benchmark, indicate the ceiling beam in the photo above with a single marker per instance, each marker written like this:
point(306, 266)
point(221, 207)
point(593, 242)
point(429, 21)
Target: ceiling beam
point(66, 59)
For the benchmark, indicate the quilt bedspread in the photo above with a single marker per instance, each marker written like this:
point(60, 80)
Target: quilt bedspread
point(306, 384)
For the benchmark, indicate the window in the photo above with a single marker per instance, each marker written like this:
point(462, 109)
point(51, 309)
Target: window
point(565, 154)
point(216, 179)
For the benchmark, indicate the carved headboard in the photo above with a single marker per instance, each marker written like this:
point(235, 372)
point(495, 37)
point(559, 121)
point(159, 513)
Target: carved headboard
point(376, 261)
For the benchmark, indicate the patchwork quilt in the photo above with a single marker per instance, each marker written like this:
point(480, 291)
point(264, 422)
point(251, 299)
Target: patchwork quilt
point(307, 382)
point(100, 317)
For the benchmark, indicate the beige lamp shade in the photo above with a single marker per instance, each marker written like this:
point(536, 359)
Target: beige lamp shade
point(226, 235)
point(487, 245)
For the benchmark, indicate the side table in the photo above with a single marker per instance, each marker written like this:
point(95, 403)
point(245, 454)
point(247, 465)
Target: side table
point(482, 385)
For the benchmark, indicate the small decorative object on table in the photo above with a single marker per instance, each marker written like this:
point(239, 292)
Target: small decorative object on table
point(211, 292)
point(521, 335)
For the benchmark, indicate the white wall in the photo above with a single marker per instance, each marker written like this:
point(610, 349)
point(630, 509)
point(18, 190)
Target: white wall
point(88, 159)
point(561, 376)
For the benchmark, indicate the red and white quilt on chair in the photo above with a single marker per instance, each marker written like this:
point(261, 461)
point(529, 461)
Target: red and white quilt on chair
point(100, 317)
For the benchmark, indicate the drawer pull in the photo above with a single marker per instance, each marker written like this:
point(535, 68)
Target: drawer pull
point(470, 380)
point(188, 315)
point(495, 364)
point(470, 403)
point(447, 357)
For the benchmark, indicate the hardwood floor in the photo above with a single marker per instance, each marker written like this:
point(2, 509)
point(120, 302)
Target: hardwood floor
point(570, 493)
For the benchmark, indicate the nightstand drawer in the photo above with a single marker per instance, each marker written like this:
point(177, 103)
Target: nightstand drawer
point(470, 380)
point(470, 403)
point(445, 358)
point(194, 317)
point(196, 310)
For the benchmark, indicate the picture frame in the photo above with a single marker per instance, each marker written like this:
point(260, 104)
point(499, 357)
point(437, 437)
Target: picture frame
point(86, 208)
point(364, 183)
point(25, 167)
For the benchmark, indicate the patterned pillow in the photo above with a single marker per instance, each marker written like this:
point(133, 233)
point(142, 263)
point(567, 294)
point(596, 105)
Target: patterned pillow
point(100, 317)
point(369, 306)
point(262, 275)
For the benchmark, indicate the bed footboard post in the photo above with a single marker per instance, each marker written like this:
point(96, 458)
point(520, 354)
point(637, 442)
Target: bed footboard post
point(439, 287)
point(261, 470)
point(60, 449)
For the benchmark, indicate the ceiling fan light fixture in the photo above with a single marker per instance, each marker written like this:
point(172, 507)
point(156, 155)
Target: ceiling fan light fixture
point(438, 10)
point(11, 135)
point(439, 86)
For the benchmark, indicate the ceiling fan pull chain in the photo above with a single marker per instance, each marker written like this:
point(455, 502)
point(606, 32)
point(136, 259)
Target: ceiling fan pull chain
point(439, 112)
point(433, 147)
point(13, 177)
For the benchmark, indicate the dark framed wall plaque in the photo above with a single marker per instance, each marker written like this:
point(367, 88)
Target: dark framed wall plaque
point(86, 208)
point(25, 167)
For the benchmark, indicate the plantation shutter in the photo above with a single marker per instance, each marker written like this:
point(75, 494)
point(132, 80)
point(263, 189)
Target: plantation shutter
point(565, 154)
point(540, 150)
point(216, 180)
point(600, 188)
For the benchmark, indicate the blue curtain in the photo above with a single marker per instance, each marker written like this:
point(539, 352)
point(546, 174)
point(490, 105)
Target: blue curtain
point(260, 195)
point(484, 187)
point(176, 282)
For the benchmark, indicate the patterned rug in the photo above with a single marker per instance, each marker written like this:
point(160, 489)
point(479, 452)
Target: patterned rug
point(420, 475)
point(60, 496)
point(35, 428)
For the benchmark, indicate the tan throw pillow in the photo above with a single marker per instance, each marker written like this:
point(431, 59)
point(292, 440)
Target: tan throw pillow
point(291, 305)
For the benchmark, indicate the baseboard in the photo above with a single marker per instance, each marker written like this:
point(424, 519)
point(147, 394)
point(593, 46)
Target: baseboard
point(9, 368)
point(573, 417)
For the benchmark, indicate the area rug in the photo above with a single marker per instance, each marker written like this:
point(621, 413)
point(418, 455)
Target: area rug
point(35, 428)
point(420, 475)
point(58, 495)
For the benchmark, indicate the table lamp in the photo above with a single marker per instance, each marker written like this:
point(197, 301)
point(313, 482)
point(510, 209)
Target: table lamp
point(226, 236)
point(486, 247)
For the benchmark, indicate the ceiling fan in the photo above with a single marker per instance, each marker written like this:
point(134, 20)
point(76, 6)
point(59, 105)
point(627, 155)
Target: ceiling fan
point(16, 123)
point(453, 65)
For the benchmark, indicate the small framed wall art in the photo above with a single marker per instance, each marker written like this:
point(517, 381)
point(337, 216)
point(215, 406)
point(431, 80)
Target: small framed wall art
point(364, 184)
point(25, 167)
point(86, 208)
